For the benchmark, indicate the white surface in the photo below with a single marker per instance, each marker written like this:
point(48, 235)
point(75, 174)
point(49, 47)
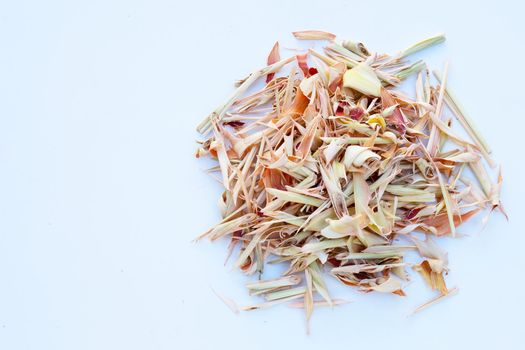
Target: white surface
point(100, 194)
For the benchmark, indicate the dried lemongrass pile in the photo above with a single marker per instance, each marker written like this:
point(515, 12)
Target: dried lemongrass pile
point(327, 166)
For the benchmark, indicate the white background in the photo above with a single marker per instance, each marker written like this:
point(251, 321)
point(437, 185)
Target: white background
point(100, 195)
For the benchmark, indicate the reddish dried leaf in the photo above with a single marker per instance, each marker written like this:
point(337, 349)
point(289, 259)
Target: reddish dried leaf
point(396, 118)
point(440, 222)
point(274, 178)
point(301, 61)
point(356, 113)
point(300, 103)
point(412, 213)
point(235, 124)
point(273, 57)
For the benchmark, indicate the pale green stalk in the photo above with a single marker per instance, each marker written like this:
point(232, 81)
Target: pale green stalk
point(483, 178)
point(466, 122)
point(420, 198)
point(274, 283)
point(366, 256)
point(351, 59)
point(270, 303)
point(295, 197)
point(407, 71)
point(421, 45)
point(281, 294)
point(323, 245)
point(318, 281)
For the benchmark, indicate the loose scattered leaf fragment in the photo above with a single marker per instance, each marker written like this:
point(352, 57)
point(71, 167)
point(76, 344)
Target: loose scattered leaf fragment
point(437, 299)
point(273, 57)
point(313, 35)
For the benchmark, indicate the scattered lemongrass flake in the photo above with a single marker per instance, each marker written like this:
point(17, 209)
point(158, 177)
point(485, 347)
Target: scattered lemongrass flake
point(285, 281)
point(313, 35)
point(437, 299)
point(405, 72)
point(295, 197)
point(421, 45)
point(228, 302)
point(269, 303)
point(285, 293)
point(322, 245)
point(319, 303)
point(356, 47)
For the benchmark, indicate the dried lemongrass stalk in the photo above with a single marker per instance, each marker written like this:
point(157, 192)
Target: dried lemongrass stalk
point(301, 304)
point(356, 47)
point(363, 79)
point(313, 35)
point(325, 166)
point(437, 299)
point(421, 45)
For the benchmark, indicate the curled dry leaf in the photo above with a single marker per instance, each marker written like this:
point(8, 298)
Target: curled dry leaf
point(329, 163)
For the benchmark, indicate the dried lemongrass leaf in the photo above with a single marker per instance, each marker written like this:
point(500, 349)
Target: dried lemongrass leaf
point(248, 250)
point(330, 152)
point(228, 227)
point(356, 156)
point(421, 45)
point(318, 303)
point(483, 178)
point(270, 303)
point(341, 54)
point(388, 249)
point(363, 79)
point(273, 57)
point(283, 294)
point(318, 282)
point(415, 67)
point(356, 47)
point(227, 301)
point(308, 298)
point(285, 281)
point(433, 277)
point(312, 247)
point(362, 198)
point(437, 299)
point(343, 227)
point(368, 256)
point(313, 35)
point(335, 193)
point(295, 197)
point(441, 222)
point(358, 268)
point(428, 248)
point(391, 285)
point(319, 222)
